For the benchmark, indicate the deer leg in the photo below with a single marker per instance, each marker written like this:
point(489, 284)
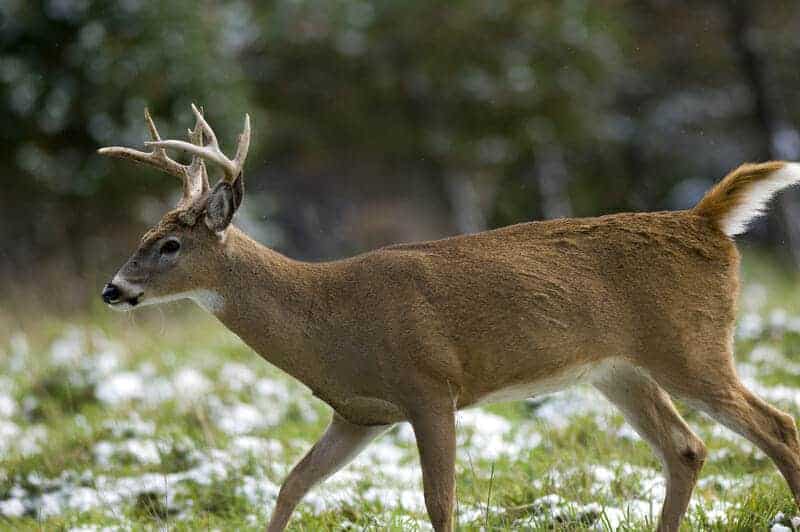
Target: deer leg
point(720, 394)
point(648, 408)
point(436, 439)
point(772, 430)
point(341, 443)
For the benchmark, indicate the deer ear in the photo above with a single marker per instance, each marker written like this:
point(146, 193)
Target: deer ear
point(223, 201)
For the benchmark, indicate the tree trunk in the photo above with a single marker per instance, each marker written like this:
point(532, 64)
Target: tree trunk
point(552, 179)
point(470, 200)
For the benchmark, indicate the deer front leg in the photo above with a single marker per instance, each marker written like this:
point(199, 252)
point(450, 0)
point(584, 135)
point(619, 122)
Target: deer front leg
point(436, 439)
point(340, 444)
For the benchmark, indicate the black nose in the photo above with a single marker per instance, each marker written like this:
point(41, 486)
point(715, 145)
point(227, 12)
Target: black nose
point(110, 293)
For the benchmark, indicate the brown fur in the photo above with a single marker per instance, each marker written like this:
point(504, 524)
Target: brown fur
point(640, 305)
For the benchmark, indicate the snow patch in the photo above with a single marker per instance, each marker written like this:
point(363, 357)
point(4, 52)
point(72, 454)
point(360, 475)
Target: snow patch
point(120, 388)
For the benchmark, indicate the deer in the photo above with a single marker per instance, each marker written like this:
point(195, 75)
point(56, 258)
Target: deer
point(641, 306)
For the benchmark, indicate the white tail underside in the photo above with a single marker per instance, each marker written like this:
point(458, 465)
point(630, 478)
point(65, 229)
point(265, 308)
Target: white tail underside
point(735, 221)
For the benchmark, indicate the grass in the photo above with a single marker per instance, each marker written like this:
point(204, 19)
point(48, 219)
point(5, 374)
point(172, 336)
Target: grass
point(163, 419)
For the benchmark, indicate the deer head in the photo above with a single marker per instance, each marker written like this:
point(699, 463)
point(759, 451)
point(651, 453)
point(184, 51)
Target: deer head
point(177, 257)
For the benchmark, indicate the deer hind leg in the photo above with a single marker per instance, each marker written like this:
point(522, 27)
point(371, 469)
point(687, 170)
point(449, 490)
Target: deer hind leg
point(717, 391)
point(648, 408)
point(772, 430)
point(341, 443)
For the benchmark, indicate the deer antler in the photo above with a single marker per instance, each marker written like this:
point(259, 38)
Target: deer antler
point(193, 175)
point(211, 152)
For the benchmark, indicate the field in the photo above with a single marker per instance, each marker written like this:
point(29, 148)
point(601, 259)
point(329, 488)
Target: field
point(163, 420)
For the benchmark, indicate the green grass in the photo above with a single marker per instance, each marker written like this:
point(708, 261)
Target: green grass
point(208, 431)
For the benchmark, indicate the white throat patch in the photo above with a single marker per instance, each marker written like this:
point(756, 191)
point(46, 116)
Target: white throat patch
point(208, 299)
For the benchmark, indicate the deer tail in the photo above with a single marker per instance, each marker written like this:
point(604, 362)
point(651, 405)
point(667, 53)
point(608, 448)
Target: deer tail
point(744, 193)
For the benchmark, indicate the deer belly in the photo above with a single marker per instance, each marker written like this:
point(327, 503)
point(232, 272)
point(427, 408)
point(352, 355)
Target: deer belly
point(543, 385)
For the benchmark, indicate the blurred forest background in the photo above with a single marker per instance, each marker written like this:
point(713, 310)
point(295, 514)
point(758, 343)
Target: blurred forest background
point(382, 121)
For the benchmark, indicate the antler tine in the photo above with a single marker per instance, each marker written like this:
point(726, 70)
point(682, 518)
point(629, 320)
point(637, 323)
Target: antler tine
point(197, 168)
point(201, 121)
point(189, 177)
point(158, 158)
point(243, 143)
point(151, 125)
point(211, 151)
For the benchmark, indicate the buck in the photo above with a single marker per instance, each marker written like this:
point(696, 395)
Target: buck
point(641, 306)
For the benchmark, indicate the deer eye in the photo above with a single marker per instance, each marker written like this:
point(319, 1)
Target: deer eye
point(170, 246)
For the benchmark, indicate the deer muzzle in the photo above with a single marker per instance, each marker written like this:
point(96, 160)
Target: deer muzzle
point(118, 296)
point(111, 294)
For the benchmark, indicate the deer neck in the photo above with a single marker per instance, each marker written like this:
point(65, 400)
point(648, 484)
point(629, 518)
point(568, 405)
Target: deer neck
point(268, 300)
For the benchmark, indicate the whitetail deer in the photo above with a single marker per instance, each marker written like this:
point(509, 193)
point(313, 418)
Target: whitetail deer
point(642, 306)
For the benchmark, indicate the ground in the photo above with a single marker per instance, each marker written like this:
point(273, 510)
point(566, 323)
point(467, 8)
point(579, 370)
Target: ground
point(164, 420)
